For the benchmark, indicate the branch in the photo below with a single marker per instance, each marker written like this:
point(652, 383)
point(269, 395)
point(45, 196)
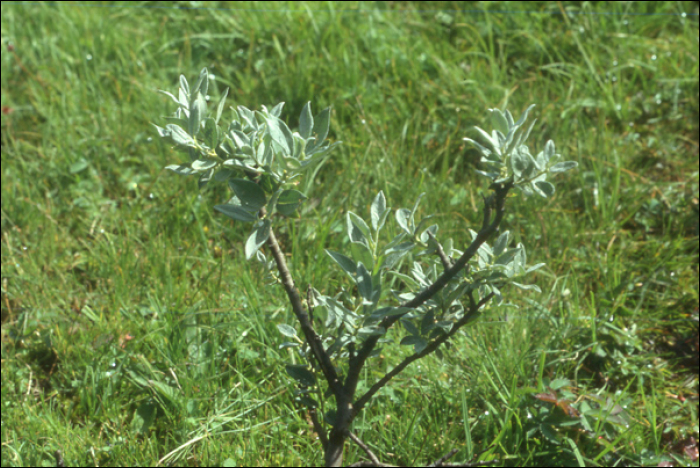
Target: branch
point(367, 450)
point(322, 357)
point(432, 346)
point(318, 428)
point(446, 262)
point(487, 229)
point(444, 458)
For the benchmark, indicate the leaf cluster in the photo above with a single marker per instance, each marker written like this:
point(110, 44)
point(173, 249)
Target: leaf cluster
point(255, 153)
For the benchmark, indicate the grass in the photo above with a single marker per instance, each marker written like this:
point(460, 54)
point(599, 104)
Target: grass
point(135, 333)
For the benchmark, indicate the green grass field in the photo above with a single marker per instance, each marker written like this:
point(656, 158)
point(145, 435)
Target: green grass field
point(135, 333)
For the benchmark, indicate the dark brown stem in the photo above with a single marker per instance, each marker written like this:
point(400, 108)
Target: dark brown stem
point(318, 428)
point(446, 262)
point(322, 357)
point(364, 447)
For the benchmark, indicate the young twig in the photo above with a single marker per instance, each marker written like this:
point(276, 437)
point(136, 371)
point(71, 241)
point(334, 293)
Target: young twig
point(446, 262)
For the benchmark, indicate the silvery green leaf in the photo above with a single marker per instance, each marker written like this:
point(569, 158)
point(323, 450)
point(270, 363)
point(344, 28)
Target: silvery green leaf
point(524, 116)
point(280, 134)
point(498, 296)
point(260, 234)
point(389, 311)
point(299, 146)
point(270, 184)
point(520, 260)
point(248, 117)
point(171, 96)
point(184, 98)
point(277, 110)
point(500, 138)
point(508, 142)
point(415, 205)
point(183, 84)
point(163, 133)
point(501, 243)
point(403, 217)
point(409, 326)
point(345, 262)
point(563, 166)
point(239, 138)
point(419, 275)
point(445, 325)
point(179, 136)
point(289, 201)
point(182, 169)
point(427, 323)
point(220, 106)
point(236, 213)
point(484, 256)
point(291, 164)
point(204, 179)
point(340, 311)
point(523, 136)
point(493, 142)
point(240, 164)
point(527, 287)
point(191, 152)
point(520, 163)
point(182, 122)
point(203, 164)
point(507, 257)
point(484, 151)
point(198, 111)
point(268, 156)
point(202, 83)
point(306, 122)
point(364, 282)
point(361, 253)
point(525, 189)
point(371, 331)
point(458, 292)
point(499, 121)
point(541, 161)
point(358, 231)
point(288, 344)
point(393, 255)
point(419, 344)
point(259, 153)
point(377, 210)
point(549, 150)
point(509, 118)
point(490, 175)
point(321, 125)
point(543, 188)
point(531, 171)
point(210, 132)
point(421, 224)
point(287, 330)
point(534, 267)
point(252, 196)
point(424, 236)
point(301, 374)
